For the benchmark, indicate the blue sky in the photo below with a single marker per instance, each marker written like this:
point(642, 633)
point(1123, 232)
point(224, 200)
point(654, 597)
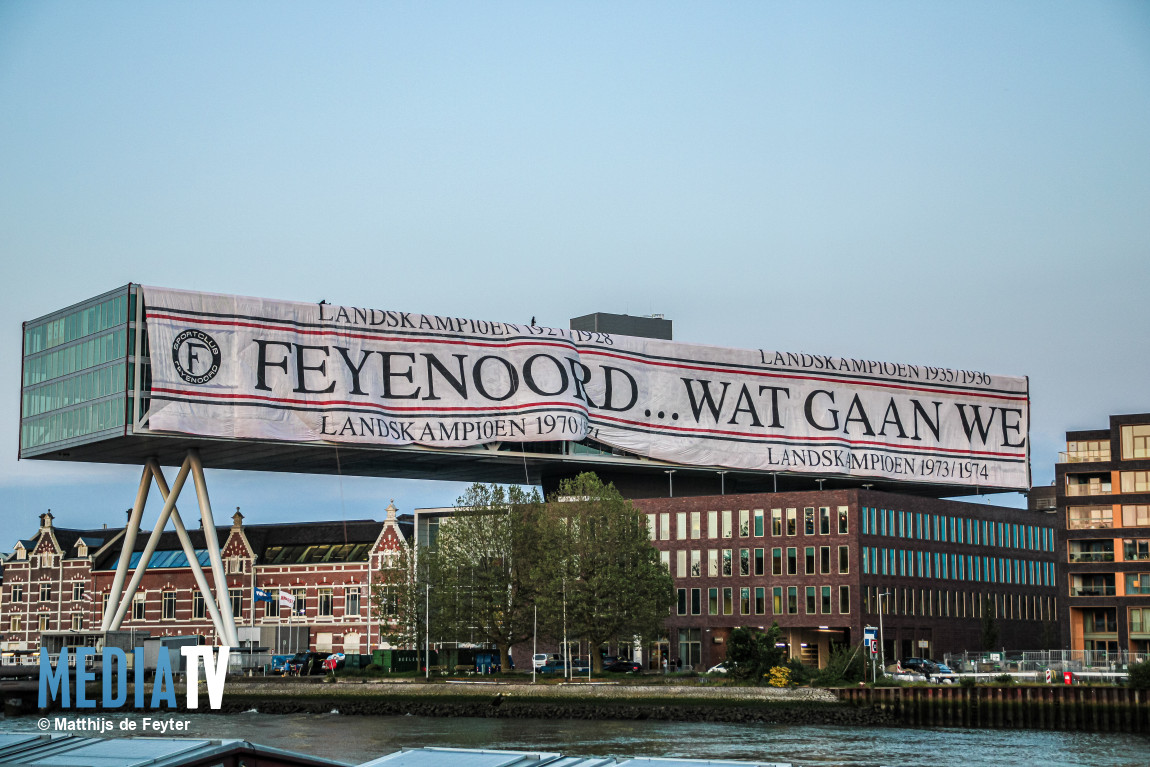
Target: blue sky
point(965, 185)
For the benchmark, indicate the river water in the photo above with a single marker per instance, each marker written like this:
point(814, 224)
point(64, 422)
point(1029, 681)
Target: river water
point(356, 739)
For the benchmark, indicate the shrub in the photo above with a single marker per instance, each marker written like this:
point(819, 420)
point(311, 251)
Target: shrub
point(968, 682)
point(1004, 679)
point(845, 666)
point(1139, 678)
point(779, 676)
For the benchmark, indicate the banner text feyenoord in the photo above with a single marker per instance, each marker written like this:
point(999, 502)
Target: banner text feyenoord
point(230, 366)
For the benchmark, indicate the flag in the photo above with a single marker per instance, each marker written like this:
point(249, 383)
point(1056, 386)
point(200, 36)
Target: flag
point(259, 595)
point(287, 599)
point(86, 596)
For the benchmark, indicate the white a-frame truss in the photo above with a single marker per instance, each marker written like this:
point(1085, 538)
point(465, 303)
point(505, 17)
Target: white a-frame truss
point(120, 597)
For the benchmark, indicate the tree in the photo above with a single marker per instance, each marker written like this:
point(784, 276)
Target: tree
point(752, 653)
point(484, 568)
point(989, 627)
point(396, 598)
point(602, 570)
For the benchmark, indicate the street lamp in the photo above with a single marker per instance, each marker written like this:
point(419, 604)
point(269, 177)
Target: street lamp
point(427, 633)
point(881, 642)
point(722, 483)
point(670, 482)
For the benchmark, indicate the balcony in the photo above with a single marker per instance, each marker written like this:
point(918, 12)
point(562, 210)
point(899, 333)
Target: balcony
point(1085, 456)
point(1092, 591)
point(1088, 488)
point(1092, 556)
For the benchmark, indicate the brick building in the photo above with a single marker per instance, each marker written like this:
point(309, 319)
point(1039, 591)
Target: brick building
point(819, 562)
point(58, 581)
point(1102, 485)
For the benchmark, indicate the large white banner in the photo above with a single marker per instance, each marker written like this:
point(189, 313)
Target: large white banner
point(230, 366)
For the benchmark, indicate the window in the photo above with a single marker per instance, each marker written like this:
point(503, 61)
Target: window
point(759, 523)
point(664, 527)
point(681, 525)
point(792, 600)
point(826, 600)
point(696, 525)
point(300, 604)
point(272, 608)
point(45, 592)
point(680, 571)
point(712, 524)
point(1137, 583)
point(44, 623)
point(351, 601)
point(844, 523)
point(14, 625)
point(792, 522)
point(712, 601)
point(726, 524)
point(1088, 484)
point(325, 602)
point(1135, 549)
point(809, 520)
point(844, 599)
point(652, 526)
point(776, 522)
point(744, 523)
point(810, 561)
point(728, 601)
point(1135, 441)
point(727, 562)
point(1090, 517)
point(760, 600)
point(696, 563)
point(237, 599)
point(744, 561)
point(236, 565)
point(665, 558)
point(681, 607)
point(811, 598)
point(1136, 515)
point(844, 560)
point(138, 606)
point(824, 520)
point(745, 600)
point(17, 592)
point(77, 592)
point(696, 601)
point(198, 608)
point(777, 600)
point(760, 564)
point(1135, 481)
point(776, 561)
point(792, 561)
point(713, 562)
point(824, 560)
point(168, 604)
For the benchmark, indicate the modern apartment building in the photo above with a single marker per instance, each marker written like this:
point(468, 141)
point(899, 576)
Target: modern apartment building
point(822, 563)
point(1103, 497)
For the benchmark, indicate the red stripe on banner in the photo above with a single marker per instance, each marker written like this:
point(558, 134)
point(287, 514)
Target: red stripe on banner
point(342, 334)
point(765, 374)
point(598, 417)
point(380, 406)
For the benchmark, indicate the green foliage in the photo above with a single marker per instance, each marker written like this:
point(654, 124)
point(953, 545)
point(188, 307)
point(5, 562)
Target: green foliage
point(489, 566)
point(1140, 676)
point(604, 578)
point(751, 653)
point(846, 665)
point(968, 682)
point(800, 672)
point(1004, 679)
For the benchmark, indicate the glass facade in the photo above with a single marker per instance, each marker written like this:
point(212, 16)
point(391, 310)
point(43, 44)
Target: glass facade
point(75, 372)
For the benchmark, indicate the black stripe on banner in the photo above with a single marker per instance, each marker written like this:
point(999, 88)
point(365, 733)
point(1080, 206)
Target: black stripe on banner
point(360, 410)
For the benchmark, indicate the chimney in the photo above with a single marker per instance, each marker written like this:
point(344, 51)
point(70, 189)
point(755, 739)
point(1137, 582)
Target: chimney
point(237, 519)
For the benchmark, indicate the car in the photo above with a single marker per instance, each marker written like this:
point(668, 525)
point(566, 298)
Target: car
point(578, 666)
point(539, 659)
point(624, 667)
point(721, 668)
point(306, 663)
point(942, 668)
point(279, 664)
